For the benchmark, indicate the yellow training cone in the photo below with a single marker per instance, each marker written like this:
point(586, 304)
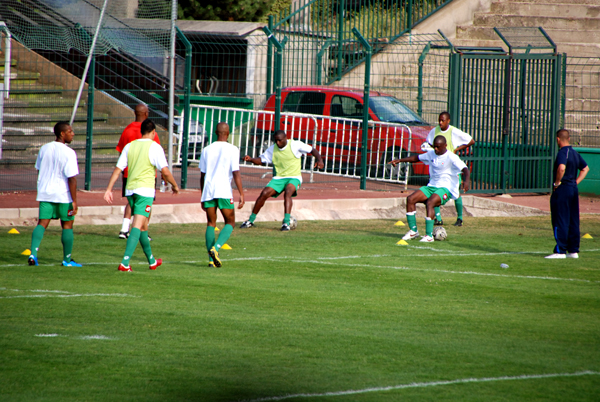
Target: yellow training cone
point(217, 229)
point(586, 236)
point(13, 231)
point(399, 223)
point(402, 243)
point(226, 247)
point(26, 252)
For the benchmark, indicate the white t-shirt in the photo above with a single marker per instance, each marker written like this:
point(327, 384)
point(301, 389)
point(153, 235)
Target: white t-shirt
point(298, 149)
point(56, 162)
point(444, 170)
point(459, 137)
point(218, 162)
point(157, 158)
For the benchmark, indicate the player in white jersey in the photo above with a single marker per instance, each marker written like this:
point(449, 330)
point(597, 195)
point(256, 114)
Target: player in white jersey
point(219, 163)
point(56, 191)
point(444, 167)
point(456, 141)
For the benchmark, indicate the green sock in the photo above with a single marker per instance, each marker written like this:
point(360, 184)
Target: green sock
point(252, 217)
point(411, 219)
point(428, 227)
point(210, 237)
point(224, 236)
point(36, 239)
point(459, 208)
point(67, 239)
point(438, 215)
point(132, 241)
point(286, 218)
point(145, 243)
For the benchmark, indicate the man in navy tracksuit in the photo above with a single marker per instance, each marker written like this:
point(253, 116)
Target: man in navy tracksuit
point(564, 202)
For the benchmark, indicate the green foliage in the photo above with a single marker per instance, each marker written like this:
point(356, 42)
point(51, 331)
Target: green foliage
point(331, 306)
point(224, 10)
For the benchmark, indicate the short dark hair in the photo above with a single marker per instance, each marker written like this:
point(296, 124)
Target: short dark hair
point(445, 113)
point(60, 127)
point(148, 126)
point(440, 138)
point(279, 132)
point(563, 134)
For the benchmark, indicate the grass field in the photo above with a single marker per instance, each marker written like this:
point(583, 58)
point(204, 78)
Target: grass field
point(333, 311)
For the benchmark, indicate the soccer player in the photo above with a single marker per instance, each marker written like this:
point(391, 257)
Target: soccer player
point(131, 133)
point(143, 157)
point(456, 140)
point(444, 167)
point(287, 176)
point(219, 163)
point(564, 201)
point(56, 191)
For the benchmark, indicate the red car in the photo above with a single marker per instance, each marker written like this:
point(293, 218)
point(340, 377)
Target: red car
point(330, 119)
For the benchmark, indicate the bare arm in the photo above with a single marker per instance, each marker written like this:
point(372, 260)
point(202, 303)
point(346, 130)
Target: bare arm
point(317, 155)
point(582, 174)
point(113, 179)
point(466, 179)
point(237, 178)
point(73, 190)
point(256, 161)
point(412, 159)
point(465, 146)
point(166, 174)
point(560, 172)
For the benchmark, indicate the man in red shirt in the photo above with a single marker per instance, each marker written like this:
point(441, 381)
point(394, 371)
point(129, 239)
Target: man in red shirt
point(131, 133)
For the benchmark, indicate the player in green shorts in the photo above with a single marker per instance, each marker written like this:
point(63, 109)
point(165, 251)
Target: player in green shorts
point(444, 167)
point(142, 157)
point(287, 175)
point(56, 192)
point(219, 163)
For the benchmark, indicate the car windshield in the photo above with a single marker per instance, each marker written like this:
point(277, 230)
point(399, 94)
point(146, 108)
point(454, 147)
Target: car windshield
point(391, 110)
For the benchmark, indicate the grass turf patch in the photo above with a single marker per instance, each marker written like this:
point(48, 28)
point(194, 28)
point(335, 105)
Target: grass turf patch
point(329, 307)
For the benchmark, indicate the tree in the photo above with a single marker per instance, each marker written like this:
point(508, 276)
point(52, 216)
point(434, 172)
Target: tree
point(224, 10)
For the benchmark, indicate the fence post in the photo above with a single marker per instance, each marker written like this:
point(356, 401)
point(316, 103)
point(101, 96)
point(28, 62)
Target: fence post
point(186, 106)
point(90, 124)
point(365, 123)
point(506, 120)
point(270, 60)
point(409, 15)
point(340, 37)
point(278, 72)
point(420, 93)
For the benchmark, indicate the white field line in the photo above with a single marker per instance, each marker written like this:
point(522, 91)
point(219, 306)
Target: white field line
point(85, 337)
point(59, 293)
point(426, 384)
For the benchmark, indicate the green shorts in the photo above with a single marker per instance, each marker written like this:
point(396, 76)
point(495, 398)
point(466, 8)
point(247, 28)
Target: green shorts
point(220, 203)
point(441, 191)
point(56, 210)
point(140, 205)
point(279, 186)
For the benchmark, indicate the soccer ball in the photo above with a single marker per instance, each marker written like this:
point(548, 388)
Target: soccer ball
point(293, 223)
point(439, 233)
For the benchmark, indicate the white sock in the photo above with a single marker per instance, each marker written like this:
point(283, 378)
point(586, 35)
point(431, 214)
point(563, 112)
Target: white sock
point(125, 227)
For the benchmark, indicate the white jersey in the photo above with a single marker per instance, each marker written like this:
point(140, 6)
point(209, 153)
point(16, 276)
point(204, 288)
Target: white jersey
point(218, 162)
point(459, 137)
point(444, 170)
point(157, 157)
point(298, 149)
point(56, 163)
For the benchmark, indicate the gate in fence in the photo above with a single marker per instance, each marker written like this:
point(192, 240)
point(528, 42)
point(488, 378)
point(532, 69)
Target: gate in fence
point(510, 103)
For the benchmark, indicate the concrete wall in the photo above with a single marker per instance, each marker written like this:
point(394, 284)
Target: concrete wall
point(448, 18)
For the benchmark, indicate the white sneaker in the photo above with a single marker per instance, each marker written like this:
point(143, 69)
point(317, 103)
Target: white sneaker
point(572, 255)
point(556, 255)
point(427, 239)
point(410, 235)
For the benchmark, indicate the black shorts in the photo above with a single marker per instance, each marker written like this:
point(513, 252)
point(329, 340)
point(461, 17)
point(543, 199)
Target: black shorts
point(125, 185)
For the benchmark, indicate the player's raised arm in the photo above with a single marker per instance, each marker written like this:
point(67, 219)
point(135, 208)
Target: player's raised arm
point(411, 159)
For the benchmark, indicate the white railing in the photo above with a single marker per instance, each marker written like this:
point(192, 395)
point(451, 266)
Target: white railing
point(339, 140)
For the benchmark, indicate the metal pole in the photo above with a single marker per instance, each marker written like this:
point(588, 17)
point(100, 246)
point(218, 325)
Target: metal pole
point(172, 81)
point(270, 60)
point(365, 124)
point(341, 11)
point(186, 107)
point(7, 58)
point(87, 63)
point(90, 126)
point(278, 73)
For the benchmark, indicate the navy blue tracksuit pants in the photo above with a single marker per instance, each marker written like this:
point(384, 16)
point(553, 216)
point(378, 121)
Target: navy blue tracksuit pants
point(564, 207)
